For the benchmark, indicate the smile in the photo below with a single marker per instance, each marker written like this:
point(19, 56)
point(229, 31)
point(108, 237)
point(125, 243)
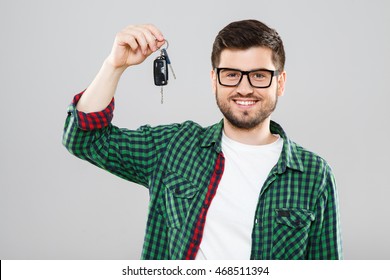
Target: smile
point(245, 102)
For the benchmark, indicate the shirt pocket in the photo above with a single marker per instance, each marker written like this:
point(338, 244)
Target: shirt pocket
point(180, 194)
point(291, 233)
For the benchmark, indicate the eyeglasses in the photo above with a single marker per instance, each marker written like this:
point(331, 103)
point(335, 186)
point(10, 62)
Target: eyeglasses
point(258, 78)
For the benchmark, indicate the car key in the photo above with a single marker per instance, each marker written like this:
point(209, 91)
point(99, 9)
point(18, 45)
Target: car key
point(160, 74)
point(160, 71)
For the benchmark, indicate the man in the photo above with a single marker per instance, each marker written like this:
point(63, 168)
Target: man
point(239, 189)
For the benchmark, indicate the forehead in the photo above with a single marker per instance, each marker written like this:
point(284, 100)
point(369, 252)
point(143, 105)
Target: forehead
point(248, 59)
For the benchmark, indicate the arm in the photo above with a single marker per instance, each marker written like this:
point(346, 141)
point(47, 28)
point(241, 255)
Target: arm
point(130, 154)
point(88, 132)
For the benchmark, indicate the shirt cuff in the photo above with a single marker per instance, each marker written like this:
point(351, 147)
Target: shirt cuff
point(93, 120)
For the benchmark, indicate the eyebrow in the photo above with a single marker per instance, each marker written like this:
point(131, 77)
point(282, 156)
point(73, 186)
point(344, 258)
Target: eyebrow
point(255, 69)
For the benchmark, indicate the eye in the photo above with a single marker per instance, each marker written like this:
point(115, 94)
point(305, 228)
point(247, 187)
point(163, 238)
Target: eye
point(231, 74)
point(259, 75)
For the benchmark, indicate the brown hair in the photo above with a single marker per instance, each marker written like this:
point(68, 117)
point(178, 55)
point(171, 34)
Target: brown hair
point(246, 34)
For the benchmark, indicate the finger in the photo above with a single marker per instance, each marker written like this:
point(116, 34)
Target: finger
point(151, 41)
point(153, 36)
point(155, 32)
point(160, 44)
point(147, 40)
point(141, 38)
point(135, 39)
point(145, 37)
point(124, 38)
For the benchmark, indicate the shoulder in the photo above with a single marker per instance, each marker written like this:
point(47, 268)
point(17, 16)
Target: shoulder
point(173, 127)
point(312, 164)
point(185, 130)
point(189, 126)
point(296, 155)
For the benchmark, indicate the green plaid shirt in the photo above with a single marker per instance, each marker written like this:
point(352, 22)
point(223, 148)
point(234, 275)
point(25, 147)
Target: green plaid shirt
point(181, 165)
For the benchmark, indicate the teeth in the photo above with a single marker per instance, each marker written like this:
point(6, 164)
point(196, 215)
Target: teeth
point(245, 103)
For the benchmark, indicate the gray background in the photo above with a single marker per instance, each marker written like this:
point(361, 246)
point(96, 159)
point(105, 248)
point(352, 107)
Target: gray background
point(54, 206)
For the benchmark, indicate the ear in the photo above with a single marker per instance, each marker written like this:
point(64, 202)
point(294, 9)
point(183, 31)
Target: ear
point(213, 76)
point(281, 83)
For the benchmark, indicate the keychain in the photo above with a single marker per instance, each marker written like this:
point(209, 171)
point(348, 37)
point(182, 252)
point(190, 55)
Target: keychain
point(160, 70)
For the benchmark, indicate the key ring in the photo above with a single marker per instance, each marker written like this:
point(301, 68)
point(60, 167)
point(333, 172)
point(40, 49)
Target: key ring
point(166, 42)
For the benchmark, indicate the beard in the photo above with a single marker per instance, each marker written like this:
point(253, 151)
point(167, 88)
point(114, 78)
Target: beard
point(245, 119)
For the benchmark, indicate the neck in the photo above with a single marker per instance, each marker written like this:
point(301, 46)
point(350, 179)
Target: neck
point(259, 135)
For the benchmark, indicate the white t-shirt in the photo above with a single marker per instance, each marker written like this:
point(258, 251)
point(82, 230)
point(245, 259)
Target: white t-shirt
point(230, 218)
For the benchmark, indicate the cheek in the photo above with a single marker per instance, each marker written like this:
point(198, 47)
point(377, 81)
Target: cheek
point(224, 93)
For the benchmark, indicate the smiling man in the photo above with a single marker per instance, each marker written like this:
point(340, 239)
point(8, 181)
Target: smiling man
point(239, 189)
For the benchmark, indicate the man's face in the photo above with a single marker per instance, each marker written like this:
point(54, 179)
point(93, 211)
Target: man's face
point(244, 106)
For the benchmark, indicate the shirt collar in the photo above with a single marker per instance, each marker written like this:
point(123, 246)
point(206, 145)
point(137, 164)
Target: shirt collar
point(290, 156)
point(290, 153)
point(212, 137)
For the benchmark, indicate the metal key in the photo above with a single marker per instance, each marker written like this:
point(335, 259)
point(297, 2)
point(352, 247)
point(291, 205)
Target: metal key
point(165, 53)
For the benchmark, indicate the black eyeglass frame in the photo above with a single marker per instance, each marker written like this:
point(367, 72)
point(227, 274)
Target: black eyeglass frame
point(272, 72)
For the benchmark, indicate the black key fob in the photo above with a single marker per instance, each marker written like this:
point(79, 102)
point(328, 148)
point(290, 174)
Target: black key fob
point(160, 71)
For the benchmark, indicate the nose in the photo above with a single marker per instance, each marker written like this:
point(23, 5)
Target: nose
point(244, 87)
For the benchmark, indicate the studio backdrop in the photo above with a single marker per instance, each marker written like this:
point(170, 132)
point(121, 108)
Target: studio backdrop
point(55, 206)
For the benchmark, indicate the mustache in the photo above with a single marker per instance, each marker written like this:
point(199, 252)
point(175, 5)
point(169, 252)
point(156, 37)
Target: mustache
point(246, 96)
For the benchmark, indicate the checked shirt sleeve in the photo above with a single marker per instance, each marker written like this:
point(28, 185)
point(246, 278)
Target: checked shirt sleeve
point(325, 243)
point(94, 120)
point(129, 154)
